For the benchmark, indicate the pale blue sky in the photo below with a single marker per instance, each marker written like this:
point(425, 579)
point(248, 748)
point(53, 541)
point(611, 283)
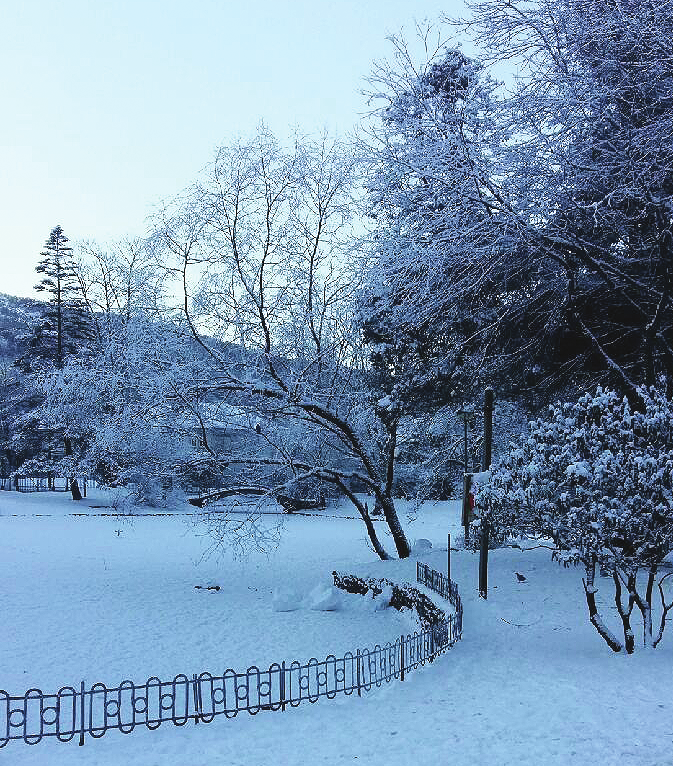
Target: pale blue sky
point(107, 107)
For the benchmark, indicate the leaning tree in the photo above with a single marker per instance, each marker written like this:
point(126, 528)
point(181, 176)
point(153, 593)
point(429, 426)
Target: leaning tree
point(258, 251)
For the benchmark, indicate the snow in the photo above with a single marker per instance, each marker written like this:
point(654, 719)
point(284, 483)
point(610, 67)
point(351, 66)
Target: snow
point(325, 598)
point(421, 546)
point(580, 468)
point(531, 683)
point(286, 600)
point(383, 599)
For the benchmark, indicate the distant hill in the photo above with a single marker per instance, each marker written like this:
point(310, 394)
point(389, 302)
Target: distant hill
point(17, 317)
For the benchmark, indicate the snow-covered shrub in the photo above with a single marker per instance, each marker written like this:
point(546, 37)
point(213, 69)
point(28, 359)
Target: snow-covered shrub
point(151, 491)
point(400, 596)
point(38, 466)
point(596, 477)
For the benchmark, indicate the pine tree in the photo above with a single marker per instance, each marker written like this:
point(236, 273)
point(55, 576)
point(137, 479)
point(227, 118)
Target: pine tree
point(422, 320)
point(65, 324)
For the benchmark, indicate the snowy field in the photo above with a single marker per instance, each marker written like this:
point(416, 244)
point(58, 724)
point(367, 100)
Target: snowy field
point(102, 599)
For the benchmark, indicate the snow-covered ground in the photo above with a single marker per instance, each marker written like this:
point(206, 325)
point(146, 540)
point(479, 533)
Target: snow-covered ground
point(99, 599)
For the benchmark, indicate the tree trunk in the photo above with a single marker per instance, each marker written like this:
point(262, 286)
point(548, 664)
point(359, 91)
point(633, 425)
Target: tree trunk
point(400, 539)
point(665, 609)
point(648, 600)
point(625, 614)
point(590, 591)
point(74, 489)
point(369, 524)
point(645, 605)
point(371, 531)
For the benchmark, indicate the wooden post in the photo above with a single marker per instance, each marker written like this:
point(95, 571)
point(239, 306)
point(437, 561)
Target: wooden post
point(465, 441)
point(467, 486)
point(402, 657)
point(448, 557)
point(489, 398)
point(282, 686)
point(483, 560)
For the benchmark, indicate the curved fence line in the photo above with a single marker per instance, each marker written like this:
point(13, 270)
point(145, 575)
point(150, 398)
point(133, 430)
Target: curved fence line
point(79, 711)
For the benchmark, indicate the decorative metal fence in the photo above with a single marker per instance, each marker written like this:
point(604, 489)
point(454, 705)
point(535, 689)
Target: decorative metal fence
point(76, 712)
point(441, 584)
point(42, 484)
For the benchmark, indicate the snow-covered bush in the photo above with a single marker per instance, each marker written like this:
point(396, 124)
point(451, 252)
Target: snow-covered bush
point(399, 596)
point(596, 477)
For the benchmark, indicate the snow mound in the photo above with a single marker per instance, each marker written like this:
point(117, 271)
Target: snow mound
point(324, 598)
point(285, 600)
point(421, 546)
point(382, 601)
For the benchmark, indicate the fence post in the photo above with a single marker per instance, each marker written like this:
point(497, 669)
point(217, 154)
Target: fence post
point(357, 660)
point(282, 686)
point(402, 656)
point(81, 714)
point(196, 699)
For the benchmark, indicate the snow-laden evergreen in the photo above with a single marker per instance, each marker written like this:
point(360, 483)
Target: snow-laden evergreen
point(596, 477)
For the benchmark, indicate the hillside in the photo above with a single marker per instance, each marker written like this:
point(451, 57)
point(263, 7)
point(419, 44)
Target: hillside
point(17, 316)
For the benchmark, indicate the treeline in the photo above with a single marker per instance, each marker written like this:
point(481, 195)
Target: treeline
point(311, 317)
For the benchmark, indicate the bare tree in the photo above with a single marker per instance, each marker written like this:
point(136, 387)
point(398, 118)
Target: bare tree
point(258, 251)
point(116, 282)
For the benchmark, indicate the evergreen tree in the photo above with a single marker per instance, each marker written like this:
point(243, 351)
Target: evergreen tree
point(65, 324)
point(527, 235)
point(427, 182)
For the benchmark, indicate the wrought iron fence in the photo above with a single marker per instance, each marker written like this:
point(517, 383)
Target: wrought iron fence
point(42, 484)
point(77, 712)
point(441, 584)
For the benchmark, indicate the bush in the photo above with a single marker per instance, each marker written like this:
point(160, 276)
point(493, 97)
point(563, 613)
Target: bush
point(597, 478)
